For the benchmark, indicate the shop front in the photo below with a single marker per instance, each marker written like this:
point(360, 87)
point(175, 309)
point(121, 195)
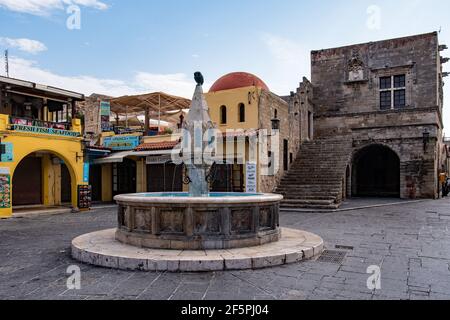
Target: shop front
point(163, 175)
point(43, 155)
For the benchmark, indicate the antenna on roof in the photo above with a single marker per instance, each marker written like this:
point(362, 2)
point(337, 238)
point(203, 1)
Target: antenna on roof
point(440, 29)
point(6, 63)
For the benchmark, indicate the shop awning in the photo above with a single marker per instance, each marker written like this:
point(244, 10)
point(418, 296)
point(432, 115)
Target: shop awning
point(119, 156)
point(152, 153)
point(159, 105)
point(114, 158)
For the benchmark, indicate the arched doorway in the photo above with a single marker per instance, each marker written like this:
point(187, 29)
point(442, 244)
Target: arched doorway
point(27, 182)
point(41, 178)
point(66, 185)
point(376, 172)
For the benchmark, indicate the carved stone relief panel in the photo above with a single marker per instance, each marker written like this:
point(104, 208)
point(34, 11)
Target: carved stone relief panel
point(241, 220)
point(171, 220)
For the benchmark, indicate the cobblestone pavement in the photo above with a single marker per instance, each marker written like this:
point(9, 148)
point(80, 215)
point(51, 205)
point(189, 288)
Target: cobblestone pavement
point(410, 242)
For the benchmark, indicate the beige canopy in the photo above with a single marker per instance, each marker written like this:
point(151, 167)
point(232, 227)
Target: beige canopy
point(160, 105)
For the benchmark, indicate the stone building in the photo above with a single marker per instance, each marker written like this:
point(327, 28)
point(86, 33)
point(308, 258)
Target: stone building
point(446, 168)
point(377, 123)
point(90, 108)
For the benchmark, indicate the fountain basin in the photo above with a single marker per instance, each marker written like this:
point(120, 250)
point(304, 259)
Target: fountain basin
point(178, 221)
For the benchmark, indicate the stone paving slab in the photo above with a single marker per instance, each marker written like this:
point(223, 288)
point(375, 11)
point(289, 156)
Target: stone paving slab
point(410, 243)
point(102, 249)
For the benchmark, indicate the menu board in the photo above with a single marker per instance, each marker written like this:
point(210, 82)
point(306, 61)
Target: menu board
point(5, 189)
point(105, 113)
point(84, 197)
point(250, 180)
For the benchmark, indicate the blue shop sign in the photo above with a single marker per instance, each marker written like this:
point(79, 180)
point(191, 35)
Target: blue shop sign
point(121, 143)
point(8, 156)
point(86, 172)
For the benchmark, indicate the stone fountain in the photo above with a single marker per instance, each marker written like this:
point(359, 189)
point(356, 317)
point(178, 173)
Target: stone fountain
point(196, 230)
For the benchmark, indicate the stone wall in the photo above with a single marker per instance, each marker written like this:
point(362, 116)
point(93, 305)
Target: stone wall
point(288, 114)
point(447, 160)
point(335, 91)
point(90, 108)
point(305, 97)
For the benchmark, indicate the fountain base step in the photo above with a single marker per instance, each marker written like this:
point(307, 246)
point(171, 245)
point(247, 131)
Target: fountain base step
point(102, 249)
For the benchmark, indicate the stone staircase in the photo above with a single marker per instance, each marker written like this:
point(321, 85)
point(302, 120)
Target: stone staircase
point(315, 179)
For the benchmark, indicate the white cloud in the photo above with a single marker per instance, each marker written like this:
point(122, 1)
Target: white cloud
point(26, 45)
point(176, 84)
point(88, 3)
point(44, 7)
point(290, 63)
point(285, 51)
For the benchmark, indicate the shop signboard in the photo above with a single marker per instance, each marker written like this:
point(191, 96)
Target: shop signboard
point(105, 113)
point(121, 143)
point(86, 172)
point(8, 155)
point(5, 188)
point(250, 177)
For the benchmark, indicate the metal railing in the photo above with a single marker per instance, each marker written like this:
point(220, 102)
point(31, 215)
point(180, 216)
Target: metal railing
point(40, 123)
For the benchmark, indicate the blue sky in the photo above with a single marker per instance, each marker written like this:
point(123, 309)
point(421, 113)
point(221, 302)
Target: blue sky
point(134, 46)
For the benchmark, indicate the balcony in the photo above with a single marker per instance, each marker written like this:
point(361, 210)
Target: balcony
point(40, 127)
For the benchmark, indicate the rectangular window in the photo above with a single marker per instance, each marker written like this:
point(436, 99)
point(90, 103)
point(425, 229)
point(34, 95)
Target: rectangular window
point(399, 98)
point(399, 81)
point(385, 100)
point(385, 83)
point(393, 92)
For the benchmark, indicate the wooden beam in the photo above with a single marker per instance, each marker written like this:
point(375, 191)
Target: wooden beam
point(147, 120)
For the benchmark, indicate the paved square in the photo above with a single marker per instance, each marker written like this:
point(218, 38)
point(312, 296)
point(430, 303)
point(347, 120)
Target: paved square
point(410, 242)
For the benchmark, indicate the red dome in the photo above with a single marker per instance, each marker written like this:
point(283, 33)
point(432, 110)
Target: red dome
point(238, 80)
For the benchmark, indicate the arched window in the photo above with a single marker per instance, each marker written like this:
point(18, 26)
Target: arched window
point(276, 114)
point(223, 115)
point(241, 108)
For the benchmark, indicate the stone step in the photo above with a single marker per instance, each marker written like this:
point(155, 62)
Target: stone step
point(315, 179)
point(309, 202)
point(301, 188)
point(289, 205)
point(310, 197)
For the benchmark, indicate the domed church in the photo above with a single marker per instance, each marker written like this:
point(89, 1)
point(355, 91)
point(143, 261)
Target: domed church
point(243, 108)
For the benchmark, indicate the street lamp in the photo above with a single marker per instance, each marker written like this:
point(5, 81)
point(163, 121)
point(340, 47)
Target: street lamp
point(85, 143)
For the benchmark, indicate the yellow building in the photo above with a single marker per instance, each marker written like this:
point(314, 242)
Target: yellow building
point(242, 104)
point(42, 161)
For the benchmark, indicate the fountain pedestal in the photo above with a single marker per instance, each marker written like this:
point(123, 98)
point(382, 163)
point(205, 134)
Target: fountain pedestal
point(220, 221)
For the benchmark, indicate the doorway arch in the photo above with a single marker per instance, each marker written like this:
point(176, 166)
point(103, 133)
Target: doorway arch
point(27, 182)
point(376, 172)
point(43, 178)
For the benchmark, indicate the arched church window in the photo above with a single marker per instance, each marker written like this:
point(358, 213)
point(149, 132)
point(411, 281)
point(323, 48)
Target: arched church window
point(223, 115)
point(241, 112)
